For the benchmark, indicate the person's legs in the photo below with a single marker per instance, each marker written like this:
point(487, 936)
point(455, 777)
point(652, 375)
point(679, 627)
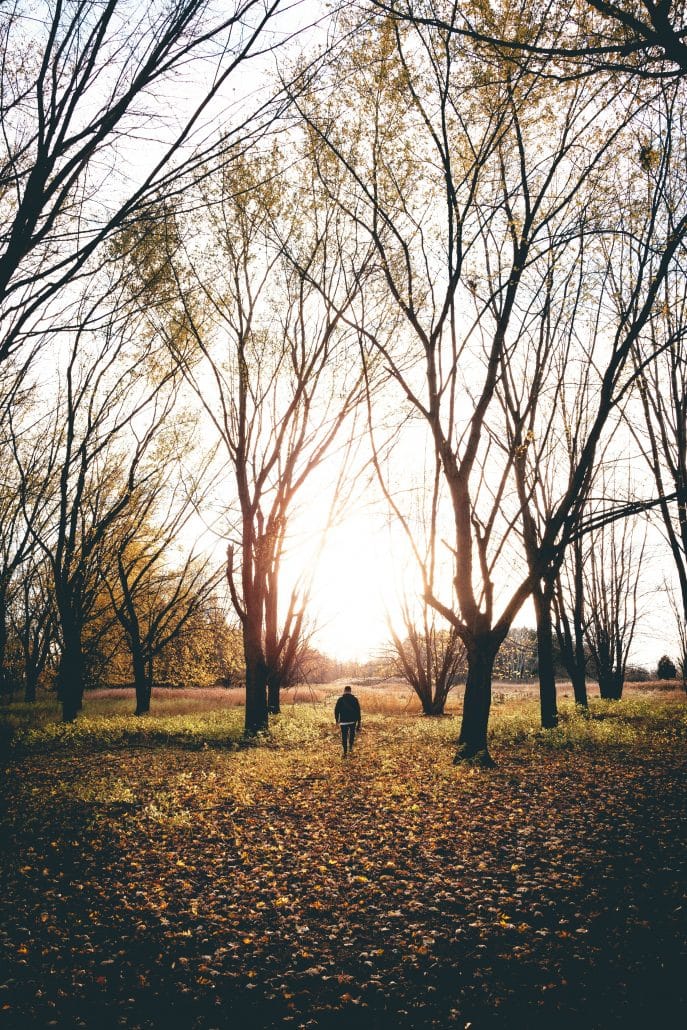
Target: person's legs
point(347, 737)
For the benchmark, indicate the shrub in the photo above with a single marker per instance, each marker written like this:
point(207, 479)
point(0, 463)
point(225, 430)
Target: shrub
point(666, 668)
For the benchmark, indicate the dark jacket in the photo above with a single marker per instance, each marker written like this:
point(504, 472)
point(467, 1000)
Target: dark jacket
point(347, 709)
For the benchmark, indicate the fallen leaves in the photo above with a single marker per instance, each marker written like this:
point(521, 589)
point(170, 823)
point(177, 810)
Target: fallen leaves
point(285, 887)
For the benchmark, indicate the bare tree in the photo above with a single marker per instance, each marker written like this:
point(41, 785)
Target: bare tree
point(612, 576)
point(429, 658)
point(677, 609)
point(33, 622)
point(662, 433)
point(154, 591)
point(466, 183)
point(569, 619)
point(77, 111)
point(262, 290)
point(104, 415)
point(644, 39)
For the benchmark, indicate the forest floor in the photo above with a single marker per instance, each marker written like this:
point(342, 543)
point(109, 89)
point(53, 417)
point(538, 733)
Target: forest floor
point(157, 882)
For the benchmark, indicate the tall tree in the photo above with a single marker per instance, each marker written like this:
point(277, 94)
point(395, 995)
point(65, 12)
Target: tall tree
point(612, 577)
point(154, 590)
point(661, 362)
point(466, 181)
point(84, 144)
point(105, 414)
point(263, 288)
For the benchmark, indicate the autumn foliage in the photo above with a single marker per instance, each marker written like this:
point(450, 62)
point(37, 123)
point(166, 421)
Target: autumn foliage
point(172, 882)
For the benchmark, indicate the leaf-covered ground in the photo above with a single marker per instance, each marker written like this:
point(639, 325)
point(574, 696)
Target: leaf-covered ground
point(161, 886)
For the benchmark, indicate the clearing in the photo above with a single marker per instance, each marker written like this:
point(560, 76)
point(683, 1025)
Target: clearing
point(154, 881)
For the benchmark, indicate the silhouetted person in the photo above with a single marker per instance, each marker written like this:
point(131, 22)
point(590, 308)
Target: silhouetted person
point(347, 715)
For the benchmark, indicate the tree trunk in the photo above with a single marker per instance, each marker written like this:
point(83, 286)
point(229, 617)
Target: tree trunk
point(436, 710)
point(609, 687)
point(433, 706)
point(547, 676)
point(472, 742)
point(257, 718)
point(142, 683)
point(579, 685)
point(273, 693)
point(70, 677)
point(30, 685)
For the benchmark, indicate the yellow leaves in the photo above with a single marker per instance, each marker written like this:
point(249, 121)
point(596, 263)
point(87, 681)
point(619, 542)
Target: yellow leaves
point(455, 873)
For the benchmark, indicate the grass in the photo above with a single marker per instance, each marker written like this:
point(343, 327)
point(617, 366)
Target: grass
point(154, 881)
point(213, 717)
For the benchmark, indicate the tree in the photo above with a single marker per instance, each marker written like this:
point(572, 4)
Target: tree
point(106, 414)
point(569, 608)
point(466, 184)
point(644, 39)
point(429, 659)
point(661, 428)
point(207, 650)
point(153, 597)
point(666, 668)
point(15, 536)
point(74, 103)
point(262, 288)
point(611, 574)
point(33, 623)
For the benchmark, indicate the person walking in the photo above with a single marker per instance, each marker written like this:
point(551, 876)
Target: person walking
point(347, 715)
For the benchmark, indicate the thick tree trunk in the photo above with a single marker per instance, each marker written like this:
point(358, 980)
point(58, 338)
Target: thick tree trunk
point(610, 686)
point(547, 676)
point(30, 685)
point(142, 682)
point(472, 742)
point(579, 685)
point(273, 693)
point(71, 677)
point(257, 718)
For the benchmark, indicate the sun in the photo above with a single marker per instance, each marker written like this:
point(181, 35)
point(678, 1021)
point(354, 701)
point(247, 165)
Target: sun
point(356, 583)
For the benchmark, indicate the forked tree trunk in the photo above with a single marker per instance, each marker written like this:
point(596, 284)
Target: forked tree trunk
point(472, 742)
point(433, 708)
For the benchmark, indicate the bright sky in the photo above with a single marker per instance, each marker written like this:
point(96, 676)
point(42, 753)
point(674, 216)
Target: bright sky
point(355, 585)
